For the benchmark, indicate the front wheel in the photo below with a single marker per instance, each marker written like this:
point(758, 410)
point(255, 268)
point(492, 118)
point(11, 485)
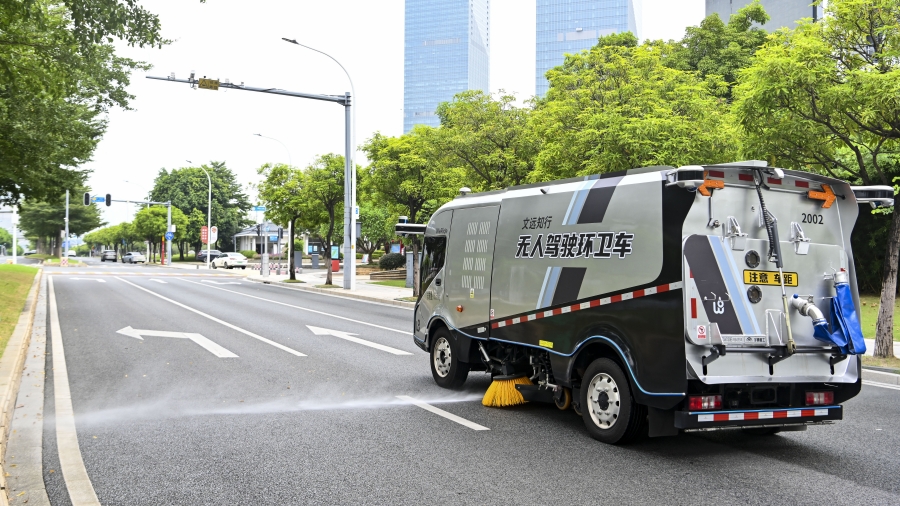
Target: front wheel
point(214, 265)
point(610, 413)
point(446, 368)
point(244, 267)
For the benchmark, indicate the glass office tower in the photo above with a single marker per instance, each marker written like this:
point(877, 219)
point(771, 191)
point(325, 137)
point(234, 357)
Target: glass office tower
point(446, 51)
point(569, 26)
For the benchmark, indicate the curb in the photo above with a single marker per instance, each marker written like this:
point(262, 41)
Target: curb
point(881, 377)
point(331, 292)
point(11, 372)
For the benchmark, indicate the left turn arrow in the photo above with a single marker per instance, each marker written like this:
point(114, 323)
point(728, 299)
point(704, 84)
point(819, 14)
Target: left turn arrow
point(210, 346)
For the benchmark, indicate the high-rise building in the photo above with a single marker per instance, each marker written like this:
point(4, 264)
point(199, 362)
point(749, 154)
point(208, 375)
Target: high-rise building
point(782, 13)
point(446, 51)
point(569, 26)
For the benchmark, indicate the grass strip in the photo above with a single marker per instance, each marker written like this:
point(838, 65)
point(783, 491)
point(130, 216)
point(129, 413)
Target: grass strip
point(869, 305)
point(15, 281)
point(397, 283)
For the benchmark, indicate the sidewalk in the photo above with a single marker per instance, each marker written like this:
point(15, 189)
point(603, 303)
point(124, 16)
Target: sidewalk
point(870, 348)
point(364, 290)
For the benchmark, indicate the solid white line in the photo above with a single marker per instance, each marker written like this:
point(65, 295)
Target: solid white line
point(441, 412)
point(881, 385)
point(160, 281)
point(81, 491)
point(213, 318)
point(405, 332)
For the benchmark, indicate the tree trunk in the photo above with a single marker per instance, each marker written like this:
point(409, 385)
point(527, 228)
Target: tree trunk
point(415, 248)
point(58, 247)
point(291, 252)
point(884, 335)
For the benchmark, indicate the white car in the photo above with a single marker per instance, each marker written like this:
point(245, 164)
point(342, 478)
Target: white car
point(134, 257)
point(230, 261)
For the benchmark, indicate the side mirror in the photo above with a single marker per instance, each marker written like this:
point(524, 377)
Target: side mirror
point(875, 196)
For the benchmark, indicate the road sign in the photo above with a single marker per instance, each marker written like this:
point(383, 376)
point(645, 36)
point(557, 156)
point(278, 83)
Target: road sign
point(214, 234)
point(209, 84)
point(267, 228)
point(169, 236)
point(259, 208)
point(210, 346)
point(204, 234)
point(98, 199)
point(273, 238)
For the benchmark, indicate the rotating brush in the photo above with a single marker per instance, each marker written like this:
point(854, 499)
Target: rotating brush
point(503, 393)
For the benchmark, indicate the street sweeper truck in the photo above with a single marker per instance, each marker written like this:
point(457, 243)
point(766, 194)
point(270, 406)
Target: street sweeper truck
point(655, 300)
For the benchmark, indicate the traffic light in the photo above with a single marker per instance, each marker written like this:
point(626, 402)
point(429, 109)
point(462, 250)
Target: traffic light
point(280, 233)
point(258, 230)
point(108, 200)
point(87, 198)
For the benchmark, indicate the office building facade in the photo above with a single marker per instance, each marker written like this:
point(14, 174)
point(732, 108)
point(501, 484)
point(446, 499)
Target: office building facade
point(446, 51)
point(570, 26)
point(782, 13)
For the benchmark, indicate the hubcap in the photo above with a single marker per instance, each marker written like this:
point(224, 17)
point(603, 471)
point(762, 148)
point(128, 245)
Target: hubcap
point(442, 357)
point(604, 400)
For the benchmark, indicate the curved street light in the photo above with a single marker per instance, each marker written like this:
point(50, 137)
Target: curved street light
point(208, 213)
point(282, 145)
point(349, 184)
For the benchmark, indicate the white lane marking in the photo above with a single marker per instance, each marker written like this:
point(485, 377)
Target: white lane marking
point(160, 281)
point(210, 346)
point(89, 279)
point(81, 491)
point(405, 332)
point(213, 318)
point(349, 337)
point(881, 385)
point(219, 283)
point(441, 412)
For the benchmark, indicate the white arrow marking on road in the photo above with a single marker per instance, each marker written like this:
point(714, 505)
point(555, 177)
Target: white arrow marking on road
point(219, 283)
point(160, 281)
point(210, 346)
point(349, 337)
point(90, 279)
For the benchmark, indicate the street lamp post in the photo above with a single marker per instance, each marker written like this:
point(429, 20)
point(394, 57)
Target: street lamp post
point(282, 145)
point(349, 180)
point(208, 214)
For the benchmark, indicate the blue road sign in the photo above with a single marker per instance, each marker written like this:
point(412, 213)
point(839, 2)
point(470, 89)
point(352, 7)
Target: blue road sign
point(267, 228)
point(169, 236)
point(98, 199)
point(273, 238)
point(259, 208)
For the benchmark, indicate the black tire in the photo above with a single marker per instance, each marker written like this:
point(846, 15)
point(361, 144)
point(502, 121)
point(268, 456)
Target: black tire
point(213, 265)
point(447, 370)
point(244, 267)
point(612, 415)
point(761, 431)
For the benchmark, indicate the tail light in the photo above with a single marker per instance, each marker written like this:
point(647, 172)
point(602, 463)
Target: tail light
point(696, 402)
point(819, 398)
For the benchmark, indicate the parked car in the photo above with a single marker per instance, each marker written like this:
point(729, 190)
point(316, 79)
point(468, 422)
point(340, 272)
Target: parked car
point(71, 253)
point(30, 252)
point(108, 254)
point(213, 254)
point(133, 257)
point(230, 261)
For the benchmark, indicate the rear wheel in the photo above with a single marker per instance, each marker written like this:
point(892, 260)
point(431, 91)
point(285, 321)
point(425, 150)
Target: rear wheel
point(609, 411)
point(446, 368)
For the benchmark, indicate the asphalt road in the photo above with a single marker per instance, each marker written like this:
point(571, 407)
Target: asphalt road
point(164, 420)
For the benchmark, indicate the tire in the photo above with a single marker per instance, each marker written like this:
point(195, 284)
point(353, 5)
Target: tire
point(609, 411)
point(213, 265)
point(447, 370)
point(565, 400)
point(244, 267)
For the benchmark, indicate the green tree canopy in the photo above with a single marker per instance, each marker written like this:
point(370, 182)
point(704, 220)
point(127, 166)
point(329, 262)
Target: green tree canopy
point(281, 193)
point(323, 190)
point(46, 219)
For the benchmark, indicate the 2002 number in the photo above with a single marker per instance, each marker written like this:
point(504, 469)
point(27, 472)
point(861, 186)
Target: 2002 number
point(813, 218)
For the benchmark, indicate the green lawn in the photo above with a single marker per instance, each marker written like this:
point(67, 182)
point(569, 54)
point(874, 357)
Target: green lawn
point(869, 305)
point(15, 281)
point(399, 283)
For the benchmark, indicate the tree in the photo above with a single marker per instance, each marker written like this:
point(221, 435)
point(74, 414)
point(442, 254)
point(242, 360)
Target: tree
point(717, 48)
point(188, 189)
point(489, 138)
point(617, 107)
point(408, 172)
point(281, 193)
point(324, 188)
point(45, 220)
point(59, 75)
point(150, 223)
point(830, 89)
point(6, 238)
point(376, 225)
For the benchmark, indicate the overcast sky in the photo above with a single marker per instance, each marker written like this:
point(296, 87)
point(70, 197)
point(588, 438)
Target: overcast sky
point(241, 41)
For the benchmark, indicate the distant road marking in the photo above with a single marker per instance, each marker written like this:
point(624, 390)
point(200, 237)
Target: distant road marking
point(160, 281)
point(220, 282)
point(440, 412)
point(213, 318)
point(88, 279)
point(405, 332)
point(349, 337)
point(881, 385)
point(81, 491)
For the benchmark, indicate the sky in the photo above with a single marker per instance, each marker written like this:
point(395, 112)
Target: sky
point(171, 124)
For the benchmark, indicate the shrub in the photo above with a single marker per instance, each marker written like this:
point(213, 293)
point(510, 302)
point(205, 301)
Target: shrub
point(391, 261)
point(249, 253)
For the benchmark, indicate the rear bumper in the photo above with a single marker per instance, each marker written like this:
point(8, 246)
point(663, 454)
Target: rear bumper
point(757, 417)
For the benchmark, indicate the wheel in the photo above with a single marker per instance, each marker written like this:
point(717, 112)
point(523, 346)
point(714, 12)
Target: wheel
point(761, 431)
point(244, 267)
point(446, 368)
point(565, 399)
point(102, 259)
point(609, 411)
point(214, 265)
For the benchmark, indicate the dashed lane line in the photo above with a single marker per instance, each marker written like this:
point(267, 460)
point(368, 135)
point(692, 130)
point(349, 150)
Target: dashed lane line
point(213, 318)
point(405, 332)
point(440, 412)
point(78, 484)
